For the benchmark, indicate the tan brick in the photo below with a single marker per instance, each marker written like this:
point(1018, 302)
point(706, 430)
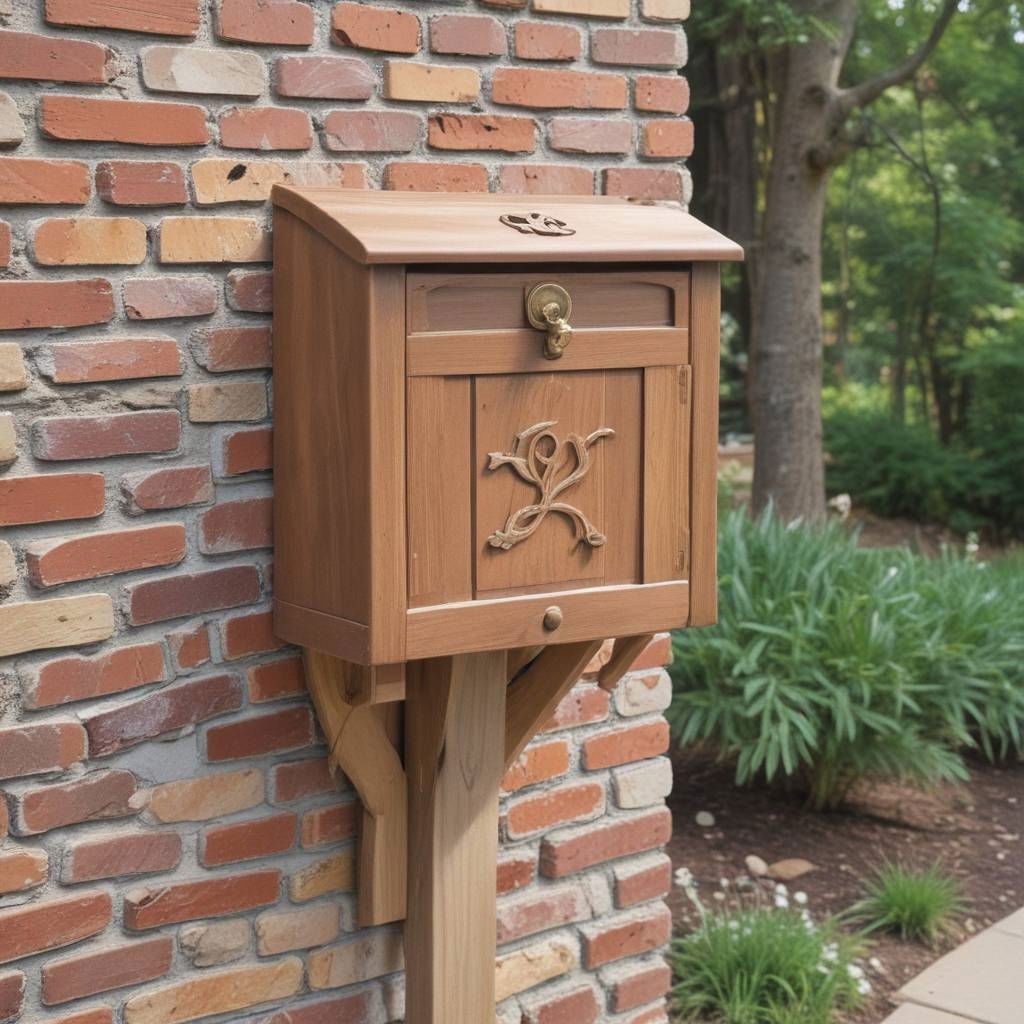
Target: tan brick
point(333, 874)
point(216, 180)
point(81, 241)
point(60, 622)
point(375, 28)
point(22, 869)
point(586, 135)
point(435, 177)
point(226, 401)
point(282, 931)
point(643, 693)
point(584, 8)
point(325, 78)
point(204, 798)
point(8, 438)
point(13, 375)
point(650, 47)
point(642, 785)
point(530, 966)
point(213, 240)
point(221, 992)
point(197, 70)
point(482, 132)
point(213, 943)
point(359, 960)
point(430, 83)
point(8, 564)
point(665, 10)
point(12, 127)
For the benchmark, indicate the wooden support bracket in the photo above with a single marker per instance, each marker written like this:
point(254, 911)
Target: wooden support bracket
point(626, 650)
point(360, 741)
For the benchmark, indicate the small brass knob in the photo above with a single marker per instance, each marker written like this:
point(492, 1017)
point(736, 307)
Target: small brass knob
point(552, 618)
point(548, 308)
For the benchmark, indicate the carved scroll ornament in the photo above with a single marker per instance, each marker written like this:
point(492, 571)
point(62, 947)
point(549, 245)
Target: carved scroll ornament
point(541, 460)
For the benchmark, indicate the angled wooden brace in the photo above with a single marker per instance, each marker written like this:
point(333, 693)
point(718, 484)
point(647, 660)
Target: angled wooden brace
point(360, 743)
point(626, 650)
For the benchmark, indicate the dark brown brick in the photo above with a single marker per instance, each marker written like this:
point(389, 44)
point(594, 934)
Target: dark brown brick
point(173, 597)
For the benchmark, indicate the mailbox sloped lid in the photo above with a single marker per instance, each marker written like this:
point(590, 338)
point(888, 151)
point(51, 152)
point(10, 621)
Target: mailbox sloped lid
point(431, 227)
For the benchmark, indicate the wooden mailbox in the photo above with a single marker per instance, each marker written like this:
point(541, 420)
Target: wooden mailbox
point(495, 445)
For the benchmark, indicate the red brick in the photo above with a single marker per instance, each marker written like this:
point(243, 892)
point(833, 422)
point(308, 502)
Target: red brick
point(141, 183)
point(50, 497)
point(537, 763)
point(655, 1015)
point(77, 678)
point(516, 870)
point(82, 241)
point(657, 654)
point(248, 840)
point(324, 78)
point(281, 22)
point(577, 1007)
point(236, 526)
point(536, 40)
point(189, 901)
point(95, 796)
point(482, 132)
point(265, 128)
point(583, 705)
point(633, 887)
point(162, 17)
point(158, 298)
point(32, 749)
point(641, 987)
point(5, 824)
point(74, 303)
point(333, 824)
point(541, 911)
point(645, 47)
point(247, 451)
point(174, 597)
point(644, 182)
point(289, 729)
point(95, 1015)
point(547, 180)
point(545, 88)
point(118, 856)
point(378, 131)
point(22, 869)
point(143, 123)
point(276, 680)
point(54, 59)
point(435, 177)
point(169, 488)
point(375, 28)
point(529, 815)
point(249, 634)
point(595, 844)
point(39, 926)
point(91, 973)
point(76, 362)
point(250, 291)
point(665, 94)
point(47, 182)
point(667, 139)
point(473, 35)
point(165, 710)
point(219, 349)
point(621, 746)
point(98, 437)
point(5, 244)
point(635, 935)
point(190, 647)
point(86, 556)
point(358, 1008)
point(12, 994)
point(296, 780)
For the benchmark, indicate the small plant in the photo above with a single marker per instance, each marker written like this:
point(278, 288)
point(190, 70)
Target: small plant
point(918, 905)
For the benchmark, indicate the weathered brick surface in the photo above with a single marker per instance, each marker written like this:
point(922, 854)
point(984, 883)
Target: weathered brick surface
point(167, 755)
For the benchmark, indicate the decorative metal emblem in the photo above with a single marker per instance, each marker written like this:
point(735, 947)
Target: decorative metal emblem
point(536, 224)
point(541, 460)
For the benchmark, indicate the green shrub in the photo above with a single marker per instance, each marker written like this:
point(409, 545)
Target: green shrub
point(763, 966)
point(918, 905)
point(831, 663)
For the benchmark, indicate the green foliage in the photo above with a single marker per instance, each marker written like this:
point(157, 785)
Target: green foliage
point(831, 664)
point(763, 966)
point(917, 905)
point(755, 25)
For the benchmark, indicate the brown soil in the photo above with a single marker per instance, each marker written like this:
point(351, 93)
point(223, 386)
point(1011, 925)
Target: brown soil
point(975, 831)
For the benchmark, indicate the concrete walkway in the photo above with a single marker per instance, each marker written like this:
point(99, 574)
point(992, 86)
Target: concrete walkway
point(980, 982)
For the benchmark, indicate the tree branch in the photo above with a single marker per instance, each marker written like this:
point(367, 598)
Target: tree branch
point(867, 92)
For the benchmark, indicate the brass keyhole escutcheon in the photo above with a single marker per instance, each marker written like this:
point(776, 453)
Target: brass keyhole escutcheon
point(548, 308)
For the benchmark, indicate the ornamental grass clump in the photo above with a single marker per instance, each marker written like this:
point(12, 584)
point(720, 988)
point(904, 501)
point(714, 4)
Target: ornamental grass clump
point(831, 663)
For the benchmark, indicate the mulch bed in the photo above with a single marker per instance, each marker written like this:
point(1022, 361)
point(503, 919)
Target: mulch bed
point(974, 830)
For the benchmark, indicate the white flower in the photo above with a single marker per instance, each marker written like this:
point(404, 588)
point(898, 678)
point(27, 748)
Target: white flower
point(781, 889)
point(684, 878)
point(864, 987)
point(855, 971)
point(781, 902)
point(842, 503)
point(723, 883)
point(801, 898)
point(891, 572)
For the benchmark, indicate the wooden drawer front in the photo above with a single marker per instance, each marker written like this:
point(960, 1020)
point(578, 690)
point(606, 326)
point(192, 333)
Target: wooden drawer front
point(469, 323)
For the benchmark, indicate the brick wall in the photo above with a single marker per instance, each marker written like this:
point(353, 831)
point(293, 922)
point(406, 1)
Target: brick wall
point(172, 846)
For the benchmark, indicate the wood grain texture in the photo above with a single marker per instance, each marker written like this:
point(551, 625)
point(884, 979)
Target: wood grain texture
point(626, 650)
point(534, 695)
point(455, 728)
point(703, 572)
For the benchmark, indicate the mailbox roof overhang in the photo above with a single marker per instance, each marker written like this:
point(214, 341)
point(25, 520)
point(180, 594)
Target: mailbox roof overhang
point(430, 227)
